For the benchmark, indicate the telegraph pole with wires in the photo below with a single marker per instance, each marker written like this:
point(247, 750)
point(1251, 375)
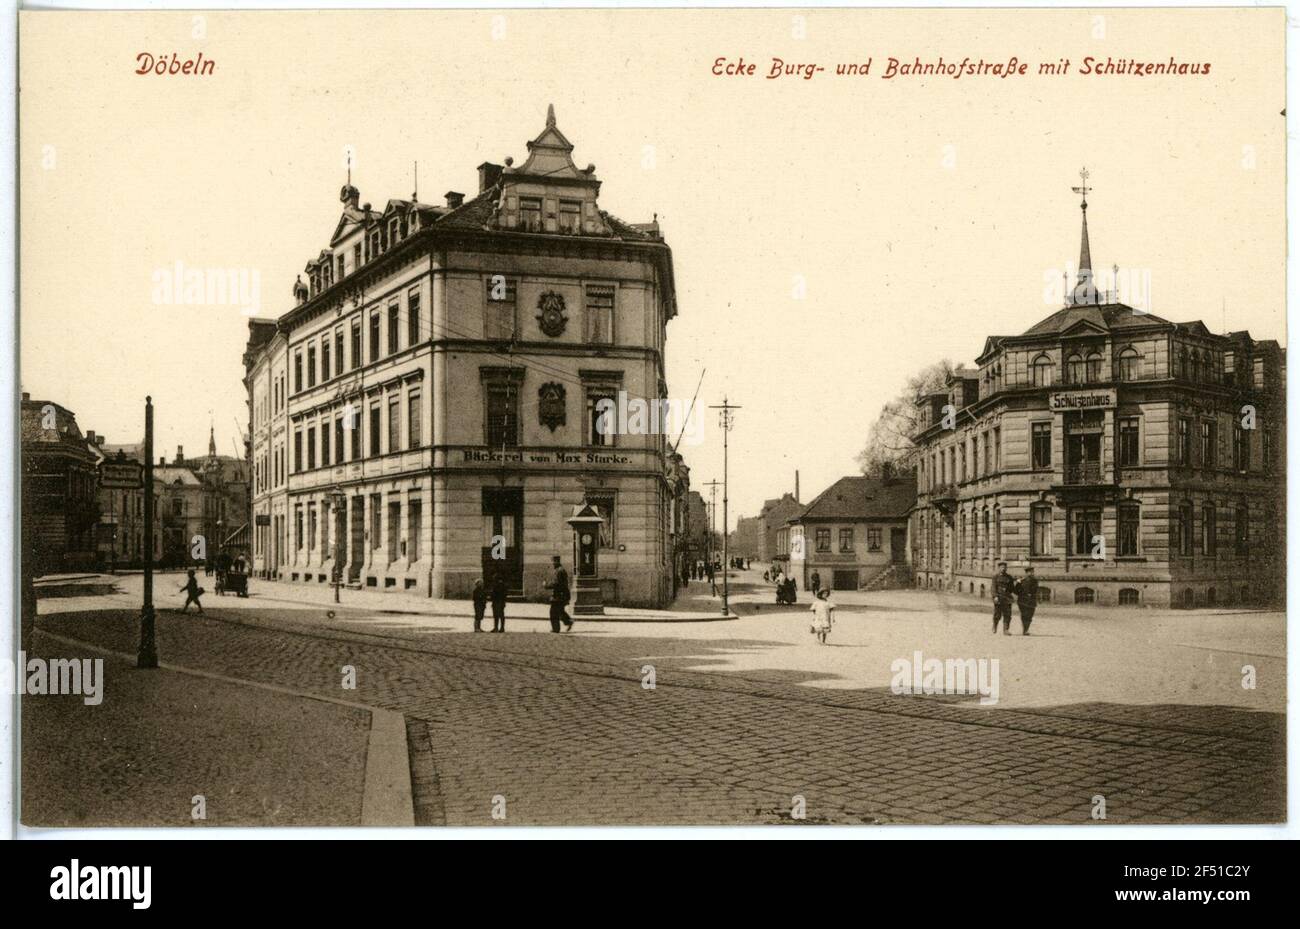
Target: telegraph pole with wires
point(726, 420)
point(712, 512)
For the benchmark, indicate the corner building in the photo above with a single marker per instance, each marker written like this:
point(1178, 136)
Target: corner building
point(434, 391)
point(1128, 459)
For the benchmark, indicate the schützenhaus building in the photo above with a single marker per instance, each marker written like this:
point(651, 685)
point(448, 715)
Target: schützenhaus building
point(1127, 458)
point(435, 390)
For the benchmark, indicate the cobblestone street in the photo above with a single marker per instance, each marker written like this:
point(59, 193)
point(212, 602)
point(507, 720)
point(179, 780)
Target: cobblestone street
point(559, 730)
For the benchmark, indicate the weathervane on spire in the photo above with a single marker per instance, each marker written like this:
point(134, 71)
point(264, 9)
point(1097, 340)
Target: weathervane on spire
point(1083, 189)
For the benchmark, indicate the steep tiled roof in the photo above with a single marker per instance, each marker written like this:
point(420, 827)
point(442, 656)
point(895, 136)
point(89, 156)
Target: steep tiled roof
point(858, 497)
point(1109, 317)
point(169, 474)
point(472, 214)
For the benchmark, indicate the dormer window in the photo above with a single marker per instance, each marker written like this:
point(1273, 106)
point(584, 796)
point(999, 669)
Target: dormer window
point(341, 268)
point(375, 244)
point(530, 214)
point(570, 215)
point(356, 256)
point(394, 231)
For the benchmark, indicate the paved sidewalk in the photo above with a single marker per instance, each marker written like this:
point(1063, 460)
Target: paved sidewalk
point(160, 738)
point(301, 595)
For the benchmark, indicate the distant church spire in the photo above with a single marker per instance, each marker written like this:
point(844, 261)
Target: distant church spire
point(550, 116)
point(212, 441)
point(1085, 291)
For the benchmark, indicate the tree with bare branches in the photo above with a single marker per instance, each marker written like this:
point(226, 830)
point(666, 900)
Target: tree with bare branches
point(889, 447)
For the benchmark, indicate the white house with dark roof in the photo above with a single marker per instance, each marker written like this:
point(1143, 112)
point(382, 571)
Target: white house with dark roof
point(853, 534)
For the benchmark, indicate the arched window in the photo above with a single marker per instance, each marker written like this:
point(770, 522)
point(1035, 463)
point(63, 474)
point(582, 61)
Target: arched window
point(1196, 366)
point(1126, 369)
point(1189, 597)
point(987, 538)
point(1074, 369)
point(1094, 367)
point(1042, 369)
point(1183, 371)
point(1128, 596)
point(1084, 595)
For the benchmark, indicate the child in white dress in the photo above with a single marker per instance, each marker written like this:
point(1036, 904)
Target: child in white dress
point(821, 609)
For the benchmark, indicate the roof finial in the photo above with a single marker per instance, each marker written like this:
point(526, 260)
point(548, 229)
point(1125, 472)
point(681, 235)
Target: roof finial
point(349, 167)
point(1084, 290)
point(550, 116)
point(415, 191)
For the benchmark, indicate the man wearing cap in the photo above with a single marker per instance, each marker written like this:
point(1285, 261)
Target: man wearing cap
point(1027, 598)
point(1004, 586)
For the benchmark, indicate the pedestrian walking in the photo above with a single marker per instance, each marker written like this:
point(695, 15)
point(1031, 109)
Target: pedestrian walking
point(192, 591)
point(708, 573)
point(559, 587)
point(499, 603)
point(822, 608)
point(1027, 599)
point(1003, 591)
point(480, 603)
point(816, 582)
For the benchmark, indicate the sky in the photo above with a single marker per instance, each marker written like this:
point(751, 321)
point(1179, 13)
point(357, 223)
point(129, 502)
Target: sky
point(830, 236)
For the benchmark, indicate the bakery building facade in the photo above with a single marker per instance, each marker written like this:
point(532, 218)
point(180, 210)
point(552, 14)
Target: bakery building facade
point(1129, 459)
point(437, 404)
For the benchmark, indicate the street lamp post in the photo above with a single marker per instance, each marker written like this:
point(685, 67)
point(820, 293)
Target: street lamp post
point(147, 656)
point(726, 421)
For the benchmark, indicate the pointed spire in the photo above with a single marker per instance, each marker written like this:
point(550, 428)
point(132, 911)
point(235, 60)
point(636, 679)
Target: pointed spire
point(550, 116)
point(212, 441)
point(1085, 290)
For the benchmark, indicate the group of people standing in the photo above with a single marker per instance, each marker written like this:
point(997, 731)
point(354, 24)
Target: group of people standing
point(1023, 590)
point(498, 591)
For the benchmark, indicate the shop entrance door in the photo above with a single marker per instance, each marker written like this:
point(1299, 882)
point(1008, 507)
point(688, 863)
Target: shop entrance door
point(503, 536)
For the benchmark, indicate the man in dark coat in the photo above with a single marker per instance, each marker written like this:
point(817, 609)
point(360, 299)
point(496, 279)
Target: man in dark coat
point(1027, 598)
point(498, 603)
point(479, 597)
point(1003, 591)
point(559, 587)
point(816, 582)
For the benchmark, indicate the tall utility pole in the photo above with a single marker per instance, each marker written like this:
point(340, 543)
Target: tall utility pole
point(713, 519)
point(147, 657)
point(726, 421)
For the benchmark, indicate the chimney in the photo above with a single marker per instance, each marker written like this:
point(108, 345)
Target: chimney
point(488, 175)
point(26, 397)
point(99, 440)
point(162, 461)
point(454, 199)
point(180, 454)
point(90, 436)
